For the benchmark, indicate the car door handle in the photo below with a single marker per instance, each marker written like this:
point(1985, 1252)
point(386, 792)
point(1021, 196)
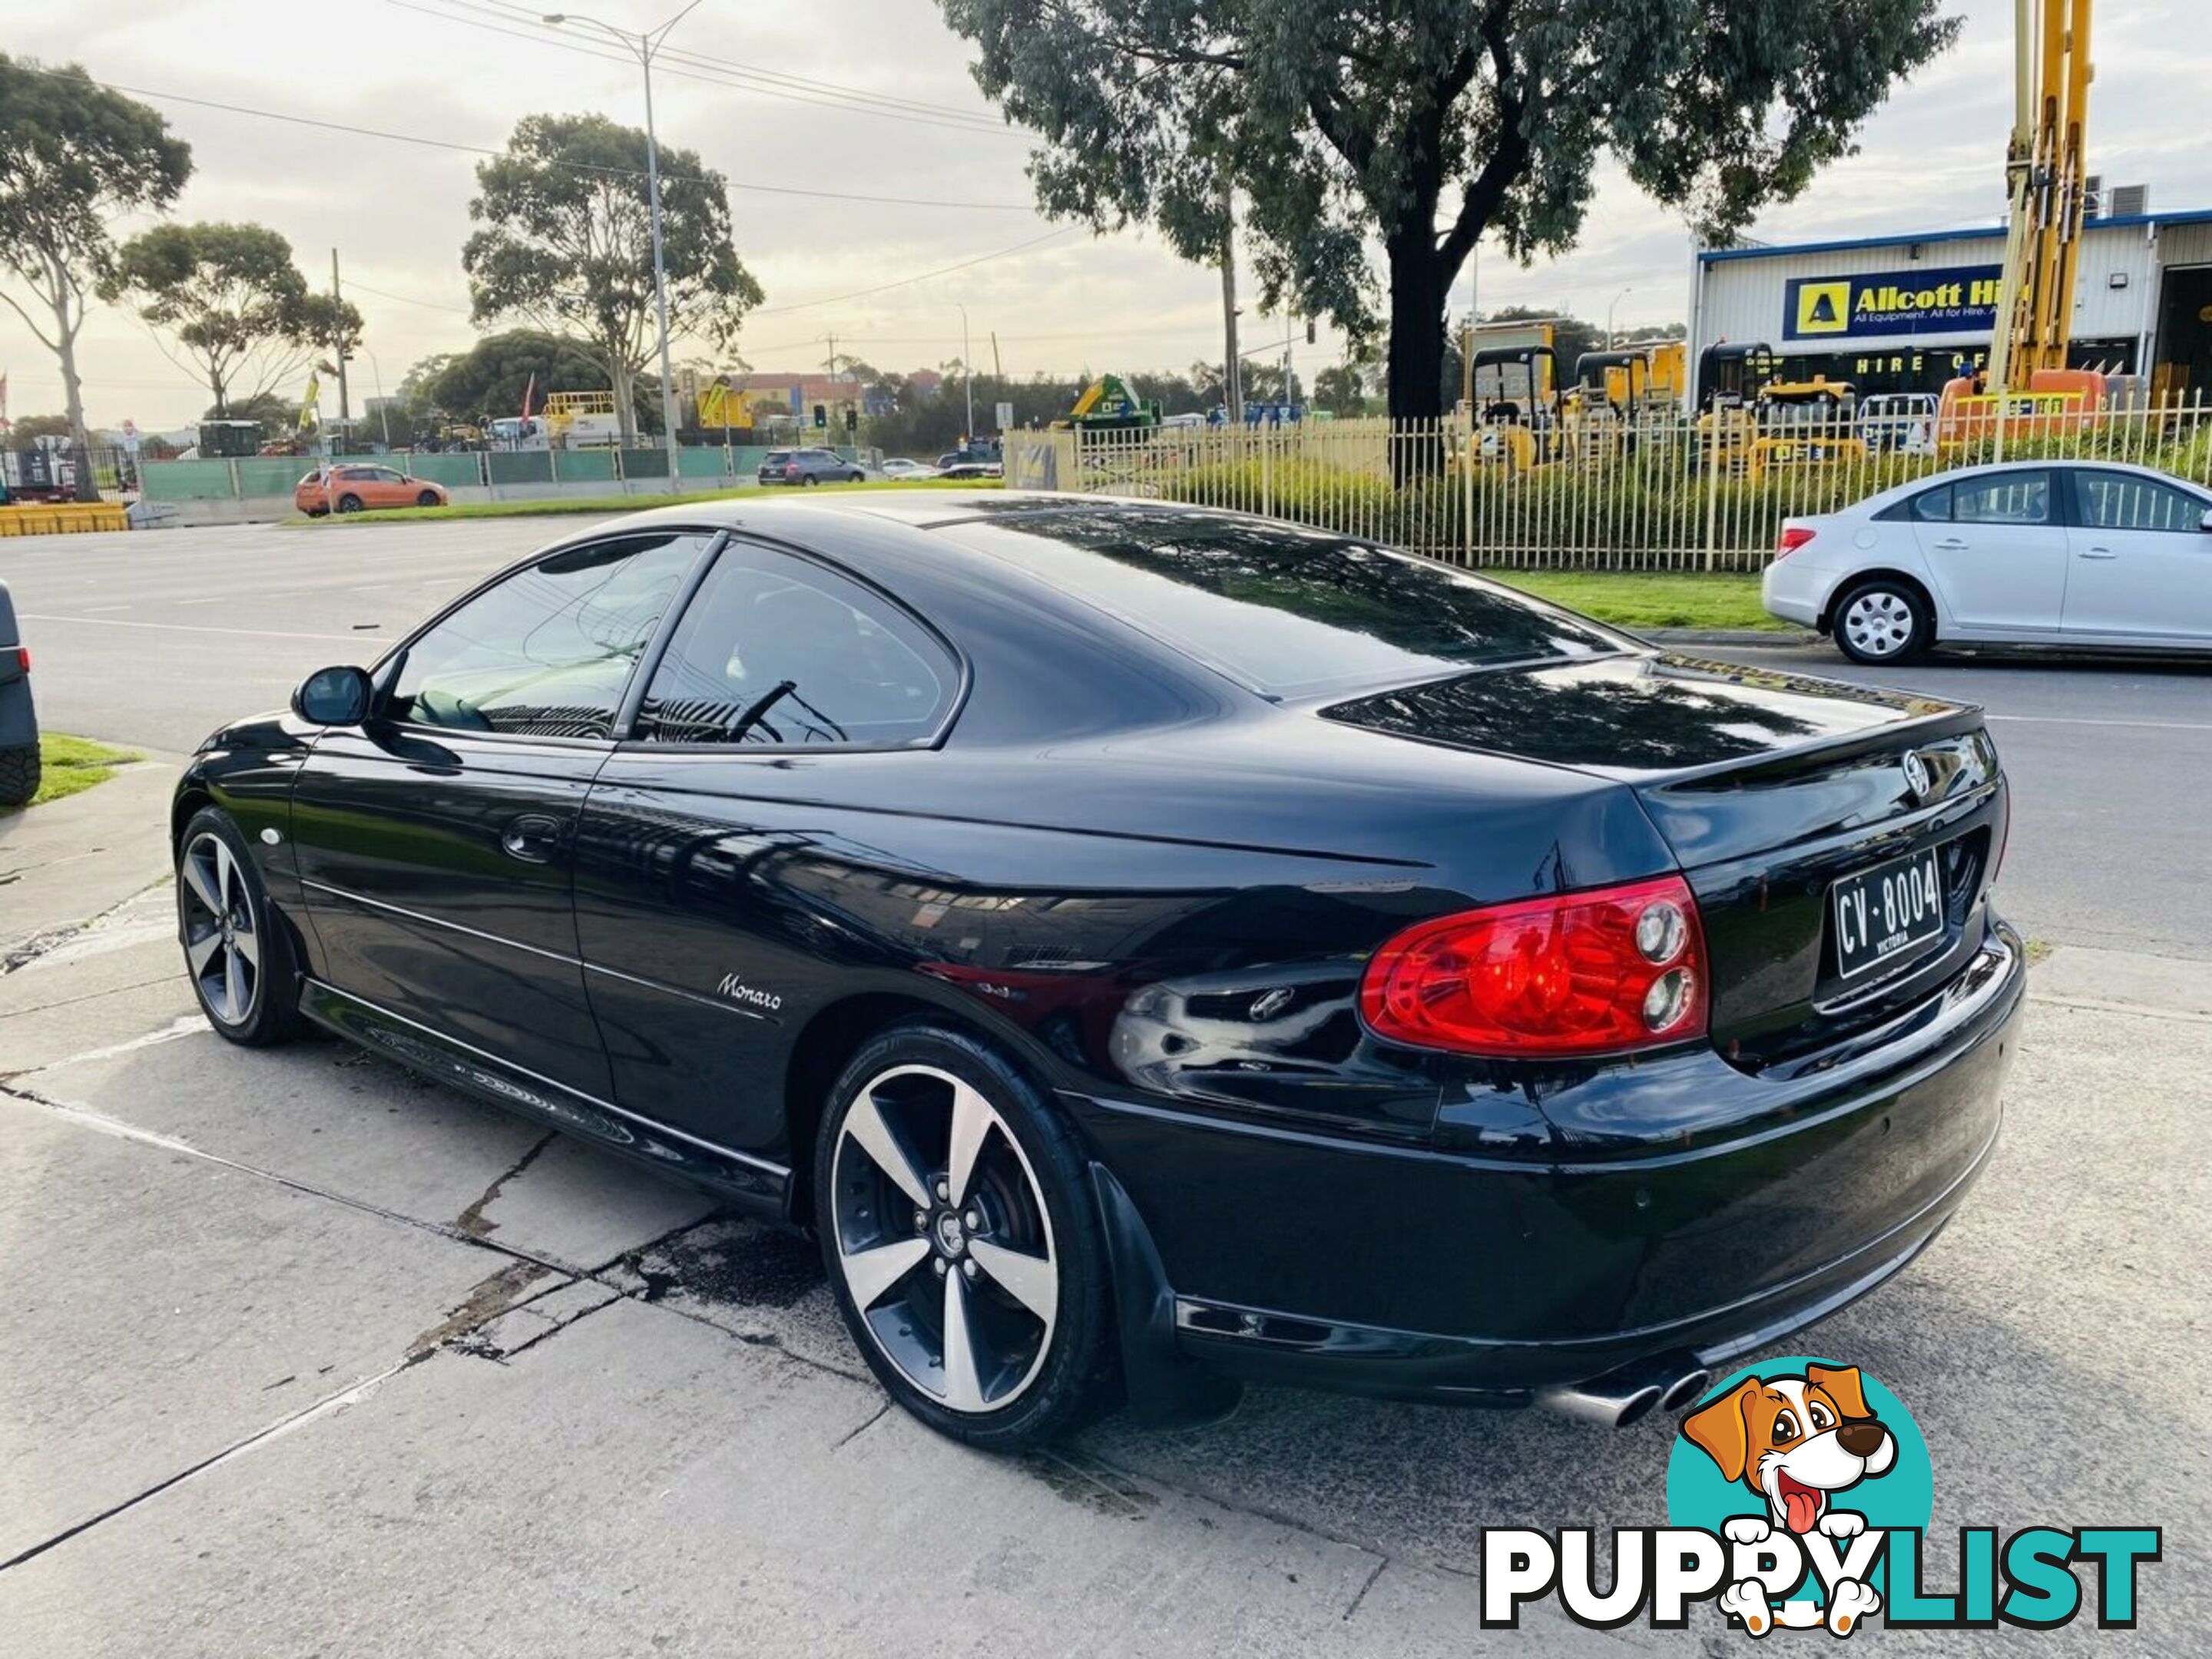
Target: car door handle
point(1951, 545)
point(534, 838)
point(2096, 553)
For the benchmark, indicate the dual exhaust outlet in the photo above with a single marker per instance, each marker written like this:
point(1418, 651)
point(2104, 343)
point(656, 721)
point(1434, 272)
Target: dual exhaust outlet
point(1668, 1382)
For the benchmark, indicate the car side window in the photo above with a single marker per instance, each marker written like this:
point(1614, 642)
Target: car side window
point(777, 650)
point(2015, 498)
point(1929, 507)
point(2122, 501)
point(548, 651)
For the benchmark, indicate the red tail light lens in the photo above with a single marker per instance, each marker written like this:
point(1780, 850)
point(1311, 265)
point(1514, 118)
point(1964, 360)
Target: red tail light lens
point(1793, 538)
point(1595, 972)
point(23, 658)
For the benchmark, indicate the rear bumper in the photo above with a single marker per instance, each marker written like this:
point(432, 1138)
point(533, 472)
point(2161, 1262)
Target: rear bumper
point(1793, 590)
point(1429, 1274)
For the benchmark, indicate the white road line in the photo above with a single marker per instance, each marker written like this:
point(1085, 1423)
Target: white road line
point(184, 628)
point(2062, 720)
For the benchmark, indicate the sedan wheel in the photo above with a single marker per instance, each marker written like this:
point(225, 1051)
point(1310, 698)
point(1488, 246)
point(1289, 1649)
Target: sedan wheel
point(427, 498)
point(348, 503)
point(965, 1255)
point(240, 965)
point(1880, 622)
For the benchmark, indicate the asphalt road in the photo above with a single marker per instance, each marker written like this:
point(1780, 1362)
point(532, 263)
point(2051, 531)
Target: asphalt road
point(156, 638)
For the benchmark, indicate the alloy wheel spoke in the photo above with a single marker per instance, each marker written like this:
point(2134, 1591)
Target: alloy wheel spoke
point(866, 1125)
point(870, 1273)
point(972, 1119)
point(226, 871)
point(201, 880)
point(1031, 1280)
point(201, 951)
point(244, 942)
point(233, 995)
point(963, 1391)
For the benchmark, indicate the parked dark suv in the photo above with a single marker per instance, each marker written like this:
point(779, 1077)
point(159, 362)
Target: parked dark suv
point(809, 466)
point(19, 720)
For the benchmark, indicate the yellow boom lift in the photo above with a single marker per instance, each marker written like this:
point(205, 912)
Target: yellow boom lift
point(2028, 387)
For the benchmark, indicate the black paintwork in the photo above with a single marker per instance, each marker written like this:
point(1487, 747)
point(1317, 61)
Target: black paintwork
point(1156, 886)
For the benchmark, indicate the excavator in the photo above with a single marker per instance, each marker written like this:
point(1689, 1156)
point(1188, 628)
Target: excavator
point(2028, 387)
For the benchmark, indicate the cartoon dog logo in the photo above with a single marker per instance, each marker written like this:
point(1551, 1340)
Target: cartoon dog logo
point(1795, 1440)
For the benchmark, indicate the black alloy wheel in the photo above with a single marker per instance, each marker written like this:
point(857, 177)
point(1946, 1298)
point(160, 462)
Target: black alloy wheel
point(962, 1245)
point(237, 954)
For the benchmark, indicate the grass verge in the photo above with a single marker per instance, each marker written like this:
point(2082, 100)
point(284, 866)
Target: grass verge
point(69, 766)
point(1652, 599)
point(606, 503)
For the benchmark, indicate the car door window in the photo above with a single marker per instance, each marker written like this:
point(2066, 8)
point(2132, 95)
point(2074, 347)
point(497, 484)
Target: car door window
point(1929, 507)
point(2006, 498)
point(775, 650)
point(547, 652)
point(2122, 500)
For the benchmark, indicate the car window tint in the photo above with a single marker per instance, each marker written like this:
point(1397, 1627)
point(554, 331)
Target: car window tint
point(1288, 611)
point(2022, 498)
point(548, 651)
point(1933, 506)
point(2121, 500)
point(777, 650)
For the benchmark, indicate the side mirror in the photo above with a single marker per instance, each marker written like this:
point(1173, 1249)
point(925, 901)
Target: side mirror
point(333, 696)
point(2205, 523)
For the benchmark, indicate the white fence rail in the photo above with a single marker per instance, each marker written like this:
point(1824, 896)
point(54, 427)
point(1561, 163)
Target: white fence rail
point(1663, 493)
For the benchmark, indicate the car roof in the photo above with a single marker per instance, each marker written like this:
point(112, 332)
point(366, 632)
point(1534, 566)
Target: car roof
point(2032, 464)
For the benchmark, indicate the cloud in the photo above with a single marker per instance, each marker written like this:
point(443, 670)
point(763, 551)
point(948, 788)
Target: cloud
point(398, 213)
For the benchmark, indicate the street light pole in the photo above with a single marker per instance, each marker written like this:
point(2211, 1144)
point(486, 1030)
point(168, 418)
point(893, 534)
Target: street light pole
point(383, 409)
point(645, 45)
point(1617, 298)
point(967, 372)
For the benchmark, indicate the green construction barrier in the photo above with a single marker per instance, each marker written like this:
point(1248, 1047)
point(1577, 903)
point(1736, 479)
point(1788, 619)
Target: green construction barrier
point(262, 475)
point(523, 466)
point(699, 463)
point(645, 462)
point(583, 465)
point(186, 481)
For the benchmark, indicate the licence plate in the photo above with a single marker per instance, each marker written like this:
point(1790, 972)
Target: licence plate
point(1885, 913)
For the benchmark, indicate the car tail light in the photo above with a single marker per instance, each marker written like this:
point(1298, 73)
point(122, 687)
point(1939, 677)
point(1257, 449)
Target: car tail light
point(1600, 972)
point(23, 658)
point(1793, 537)
point(791, 470)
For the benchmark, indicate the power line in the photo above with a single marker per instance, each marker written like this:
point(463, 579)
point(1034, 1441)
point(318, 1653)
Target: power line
point(410, 300)
point(428, 142)
point(754, 71)
point(905, 281)
point(701, 70)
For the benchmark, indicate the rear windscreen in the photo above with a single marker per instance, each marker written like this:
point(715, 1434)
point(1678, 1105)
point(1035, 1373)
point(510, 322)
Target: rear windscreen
point(1290, 611)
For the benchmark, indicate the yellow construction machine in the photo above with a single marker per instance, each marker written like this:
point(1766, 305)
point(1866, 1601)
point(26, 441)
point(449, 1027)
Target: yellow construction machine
point(2028, 388)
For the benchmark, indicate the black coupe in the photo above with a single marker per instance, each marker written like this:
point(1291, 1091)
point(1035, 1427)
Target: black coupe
point(1151, 947)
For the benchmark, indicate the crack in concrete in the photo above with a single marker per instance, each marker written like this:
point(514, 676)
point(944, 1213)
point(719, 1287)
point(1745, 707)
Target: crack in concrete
point(473, 1222)
point(259, 1438)
point(492, 1296)
point(24, 952)
point(87, 996)
point(1364, 1588)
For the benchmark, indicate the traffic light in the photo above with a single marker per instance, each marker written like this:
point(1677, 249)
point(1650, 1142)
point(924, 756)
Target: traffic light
point(852, 422)
point(1310, 330)
point(821, 417)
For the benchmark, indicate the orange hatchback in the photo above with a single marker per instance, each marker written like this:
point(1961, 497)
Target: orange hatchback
point(355, 489)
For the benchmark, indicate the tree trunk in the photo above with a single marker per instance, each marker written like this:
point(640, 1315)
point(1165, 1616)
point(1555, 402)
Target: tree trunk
point(1417, 343)
point(88, 486)
point(624, 385)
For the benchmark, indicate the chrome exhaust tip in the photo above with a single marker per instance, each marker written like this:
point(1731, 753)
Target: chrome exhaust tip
point(1629, 1395)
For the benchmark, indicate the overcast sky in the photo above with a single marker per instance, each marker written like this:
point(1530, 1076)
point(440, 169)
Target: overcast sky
point(464, 70)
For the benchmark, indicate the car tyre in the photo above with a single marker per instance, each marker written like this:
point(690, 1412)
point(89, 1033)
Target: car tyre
point(348, 503)
point(238, 953)
point(428, 498)
point(19, 770)
point(1882, 620)
point(809, 481)
point(967, 1261)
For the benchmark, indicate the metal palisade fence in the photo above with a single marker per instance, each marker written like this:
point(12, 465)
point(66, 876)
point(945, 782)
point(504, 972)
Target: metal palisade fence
point(1662, 491)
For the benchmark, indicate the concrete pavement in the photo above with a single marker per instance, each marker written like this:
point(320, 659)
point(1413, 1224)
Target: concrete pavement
point(307, 1355)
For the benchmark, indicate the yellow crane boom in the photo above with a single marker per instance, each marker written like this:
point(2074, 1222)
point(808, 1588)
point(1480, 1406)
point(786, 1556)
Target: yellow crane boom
point(2047, 178)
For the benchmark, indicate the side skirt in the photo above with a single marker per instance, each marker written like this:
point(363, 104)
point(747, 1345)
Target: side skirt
point(755, 1184)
